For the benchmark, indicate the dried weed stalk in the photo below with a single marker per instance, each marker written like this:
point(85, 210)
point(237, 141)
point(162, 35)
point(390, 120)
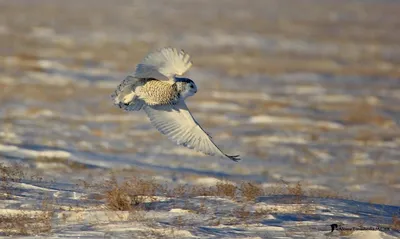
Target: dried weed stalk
point(250, 191)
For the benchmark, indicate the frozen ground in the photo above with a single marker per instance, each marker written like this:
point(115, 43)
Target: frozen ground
point(305, 92)
point(80, 212)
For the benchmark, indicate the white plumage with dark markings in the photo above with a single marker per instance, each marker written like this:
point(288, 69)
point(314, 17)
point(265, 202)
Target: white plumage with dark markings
point(155, 88)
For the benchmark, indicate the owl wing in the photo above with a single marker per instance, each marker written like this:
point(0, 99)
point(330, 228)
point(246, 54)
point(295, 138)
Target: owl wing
point(125, 96)
point(163, 64)
point(178, 124)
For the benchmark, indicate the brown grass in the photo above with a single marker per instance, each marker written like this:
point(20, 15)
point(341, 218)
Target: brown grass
point(200, 190)
point(364, 113)
point(226, 189)
point(395, 223)
point(118, 198)
point(8, 175)
point(250, 191)
point(178, 191)
point(297, 191)
point(130, 194)
point(25, 223)
point(136, 193)
point(22, 222)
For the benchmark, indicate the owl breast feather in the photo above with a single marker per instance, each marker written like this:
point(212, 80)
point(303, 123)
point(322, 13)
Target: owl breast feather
point(155, 92)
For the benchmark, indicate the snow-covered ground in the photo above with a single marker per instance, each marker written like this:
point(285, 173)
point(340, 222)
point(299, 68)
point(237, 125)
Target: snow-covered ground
point(99, 207)
point(308, 94)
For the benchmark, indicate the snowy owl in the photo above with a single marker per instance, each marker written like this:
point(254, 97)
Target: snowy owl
point(155, 88)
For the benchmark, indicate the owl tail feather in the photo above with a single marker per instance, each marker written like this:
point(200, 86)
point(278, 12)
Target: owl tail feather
point(125, 97)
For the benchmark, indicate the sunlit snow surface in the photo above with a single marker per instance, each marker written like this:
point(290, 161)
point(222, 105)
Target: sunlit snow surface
point(301, 95)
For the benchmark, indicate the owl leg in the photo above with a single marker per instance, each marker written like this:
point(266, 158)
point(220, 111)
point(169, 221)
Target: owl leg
point(129, 98)
point(126, 97)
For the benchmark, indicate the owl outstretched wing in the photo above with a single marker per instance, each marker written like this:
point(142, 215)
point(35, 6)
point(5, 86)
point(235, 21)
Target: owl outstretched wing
point(178, 124)
point(163, 64)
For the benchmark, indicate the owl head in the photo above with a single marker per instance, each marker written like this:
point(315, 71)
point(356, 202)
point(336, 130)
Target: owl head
point(186, 87)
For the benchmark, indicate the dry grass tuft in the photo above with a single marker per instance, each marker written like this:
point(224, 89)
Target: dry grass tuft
point(197, 190)
point(250, 191)
point(118, 199)
point(395, 223)
point(364, 113)
point(9, 175)
point(226, 189)
point(25, 223)
point(135, 194)
point(13, 173)
point(130, 194)
point(297, 191)
point(178, 191)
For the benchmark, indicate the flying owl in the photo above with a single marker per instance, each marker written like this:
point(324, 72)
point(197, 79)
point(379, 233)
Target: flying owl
point(155, 88)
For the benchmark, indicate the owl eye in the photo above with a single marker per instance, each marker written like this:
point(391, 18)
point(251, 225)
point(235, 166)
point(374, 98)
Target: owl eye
point(191, 86)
